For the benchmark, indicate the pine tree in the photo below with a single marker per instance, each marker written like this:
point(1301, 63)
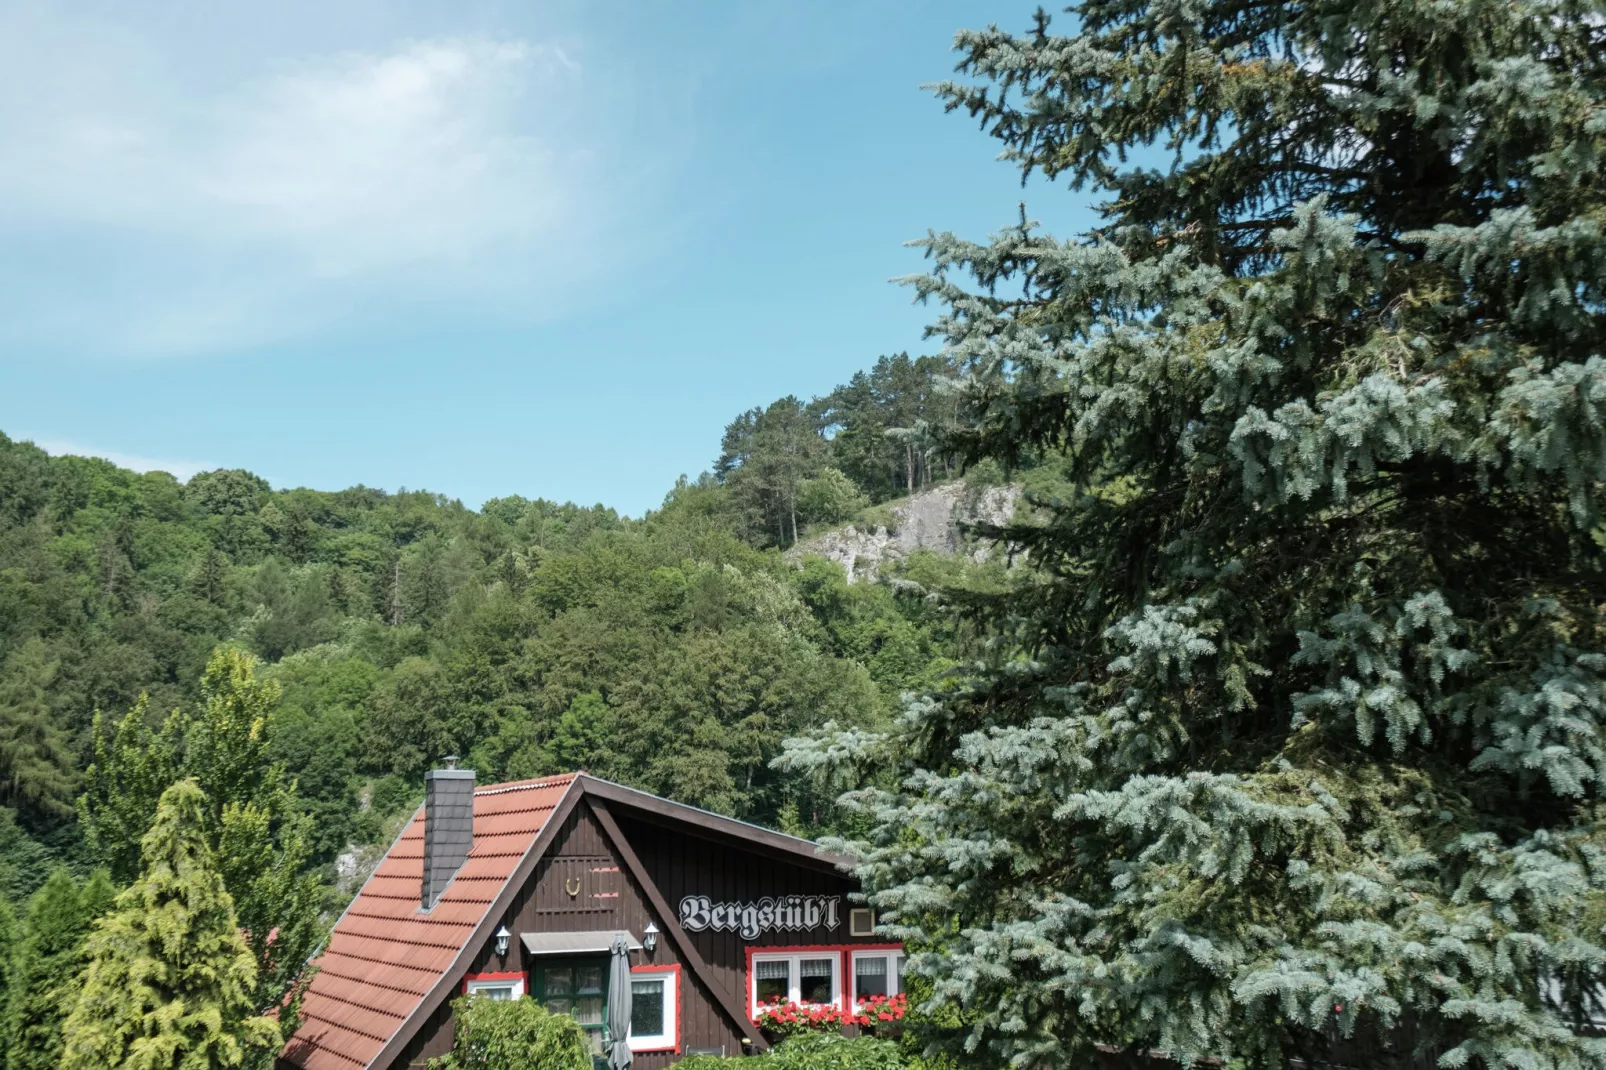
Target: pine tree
point(1291, 739)
point(872, 421)
point(211, 576)
point(765, 456)
point(45, 966)
point(170, 980)
point(298, 535)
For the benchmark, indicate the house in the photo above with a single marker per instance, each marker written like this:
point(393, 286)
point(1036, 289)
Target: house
point(514, 890)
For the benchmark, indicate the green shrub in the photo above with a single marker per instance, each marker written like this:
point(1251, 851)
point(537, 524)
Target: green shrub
point(829, 498)
point(811, 1051)
point(516, 1034)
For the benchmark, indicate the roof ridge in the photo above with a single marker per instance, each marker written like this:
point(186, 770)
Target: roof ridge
point(526, 785)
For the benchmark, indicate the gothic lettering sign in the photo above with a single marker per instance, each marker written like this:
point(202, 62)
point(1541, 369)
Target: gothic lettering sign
point(783, 913)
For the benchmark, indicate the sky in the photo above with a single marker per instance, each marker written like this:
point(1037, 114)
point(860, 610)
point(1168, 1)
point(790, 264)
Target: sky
point(537, 248)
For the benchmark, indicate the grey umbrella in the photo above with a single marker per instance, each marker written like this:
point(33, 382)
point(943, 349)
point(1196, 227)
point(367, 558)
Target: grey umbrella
point(619, 1004)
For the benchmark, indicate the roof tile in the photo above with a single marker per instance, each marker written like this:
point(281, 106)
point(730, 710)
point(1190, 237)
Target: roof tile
point(385, 953)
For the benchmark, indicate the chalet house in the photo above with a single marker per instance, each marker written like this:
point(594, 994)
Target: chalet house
point(520, 889)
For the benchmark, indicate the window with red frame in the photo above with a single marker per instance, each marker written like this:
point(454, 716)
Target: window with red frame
point(807, 978)
point(877, 973)
point(499, 986)
point(654, 1008)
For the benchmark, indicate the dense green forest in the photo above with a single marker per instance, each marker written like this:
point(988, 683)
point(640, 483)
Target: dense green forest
point(674, 652)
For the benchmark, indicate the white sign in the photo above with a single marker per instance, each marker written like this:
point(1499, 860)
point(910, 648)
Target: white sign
point(784, 913)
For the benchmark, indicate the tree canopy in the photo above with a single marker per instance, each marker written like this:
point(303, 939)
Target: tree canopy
point(390, 629)
point(170, 980)
point(257, 831)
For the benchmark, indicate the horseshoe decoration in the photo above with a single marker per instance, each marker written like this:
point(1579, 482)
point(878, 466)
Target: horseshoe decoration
point(572, 887)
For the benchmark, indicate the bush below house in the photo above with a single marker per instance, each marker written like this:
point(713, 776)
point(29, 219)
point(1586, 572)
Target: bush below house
point(812, 1051)
point(517, 1034)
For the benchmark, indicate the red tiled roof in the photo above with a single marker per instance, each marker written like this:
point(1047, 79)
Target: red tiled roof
point(385, 953)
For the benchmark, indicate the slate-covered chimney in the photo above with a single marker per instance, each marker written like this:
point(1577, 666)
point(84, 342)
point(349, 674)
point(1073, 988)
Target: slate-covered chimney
point(448, 827)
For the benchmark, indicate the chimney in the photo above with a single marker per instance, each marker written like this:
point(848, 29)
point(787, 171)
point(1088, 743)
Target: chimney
point(448, 827)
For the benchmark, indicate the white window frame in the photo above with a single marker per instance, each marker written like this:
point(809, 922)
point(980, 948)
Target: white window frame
point(514, 985)
point(794, 977)
point(669, 1041)
point(894, 959)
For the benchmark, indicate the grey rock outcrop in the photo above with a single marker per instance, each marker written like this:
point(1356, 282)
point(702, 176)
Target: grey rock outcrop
point(930, 520)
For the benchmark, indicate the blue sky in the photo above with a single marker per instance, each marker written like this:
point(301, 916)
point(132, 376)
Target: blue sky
point(538, 248)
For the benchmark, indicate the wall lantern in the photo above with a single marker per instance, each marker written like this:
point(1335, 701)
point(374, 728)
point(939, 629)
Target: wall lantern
point(502, 938)
point(649, 937)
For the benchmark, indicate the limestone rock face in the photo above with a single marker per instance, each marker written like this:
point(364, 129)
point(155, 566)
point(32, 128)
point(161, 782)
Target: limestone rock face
point(931, 520)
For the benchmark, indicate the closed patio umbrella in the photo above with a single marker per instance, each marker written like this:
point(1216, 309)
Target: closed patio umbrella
point(619, 1005)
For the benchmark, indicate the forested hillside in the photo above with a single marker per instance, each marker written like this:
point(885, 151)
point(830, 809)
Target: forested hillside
point(673, 652)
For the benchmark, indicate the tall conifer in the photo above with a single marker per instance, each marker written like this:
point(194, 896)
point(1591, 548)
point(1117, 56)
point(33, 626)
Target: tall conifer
point(9, 933)
point(170, 978)
point(1294, 740)
point(98, 896)
point(46, 963)
point(36, 762)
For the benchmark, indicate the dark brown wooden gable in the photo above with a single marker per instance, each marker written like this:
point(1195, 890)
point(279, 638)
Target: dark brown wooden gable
point(580, 876)
point(580, 851)
point(690, 862)
point(715, 987)
point(575, 880)
point(752, 839)
point(428, 1031)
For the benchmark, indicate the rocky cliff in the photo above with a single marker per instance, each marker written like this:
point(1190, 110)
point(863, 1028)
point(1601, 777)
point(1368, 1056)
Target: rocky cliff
point(930, 520)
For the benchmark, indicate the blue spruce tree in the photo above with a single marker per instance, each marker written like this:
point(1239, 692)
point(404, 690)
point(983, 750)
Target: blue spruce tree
point(1290, 744)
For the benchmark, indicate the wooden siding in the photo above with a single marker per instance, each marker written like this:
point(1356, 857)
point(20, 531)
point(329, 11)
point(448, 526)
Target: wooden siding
point(581, 885)
point(683, 864)
point(607, 899)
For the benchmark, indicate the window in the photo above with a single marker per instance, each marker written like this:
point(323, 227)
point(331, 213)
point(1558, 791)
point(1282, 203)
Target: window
point(773, 978)
point(861, 922)
point(578, 988)
point(816, 980)
point(876, 973)
point(654, 1008)
point(805, 977)
point(499, 986)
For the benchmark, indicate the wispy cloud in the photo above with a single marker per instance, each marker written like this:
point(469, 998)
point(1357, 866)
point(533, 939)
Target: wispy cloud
point(180, 470)
point(144, 214)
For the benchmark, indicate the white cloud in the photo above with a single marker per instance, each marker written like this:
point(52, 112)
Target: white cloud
point(180, 470)
point(376, 161)
point(150, 206)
